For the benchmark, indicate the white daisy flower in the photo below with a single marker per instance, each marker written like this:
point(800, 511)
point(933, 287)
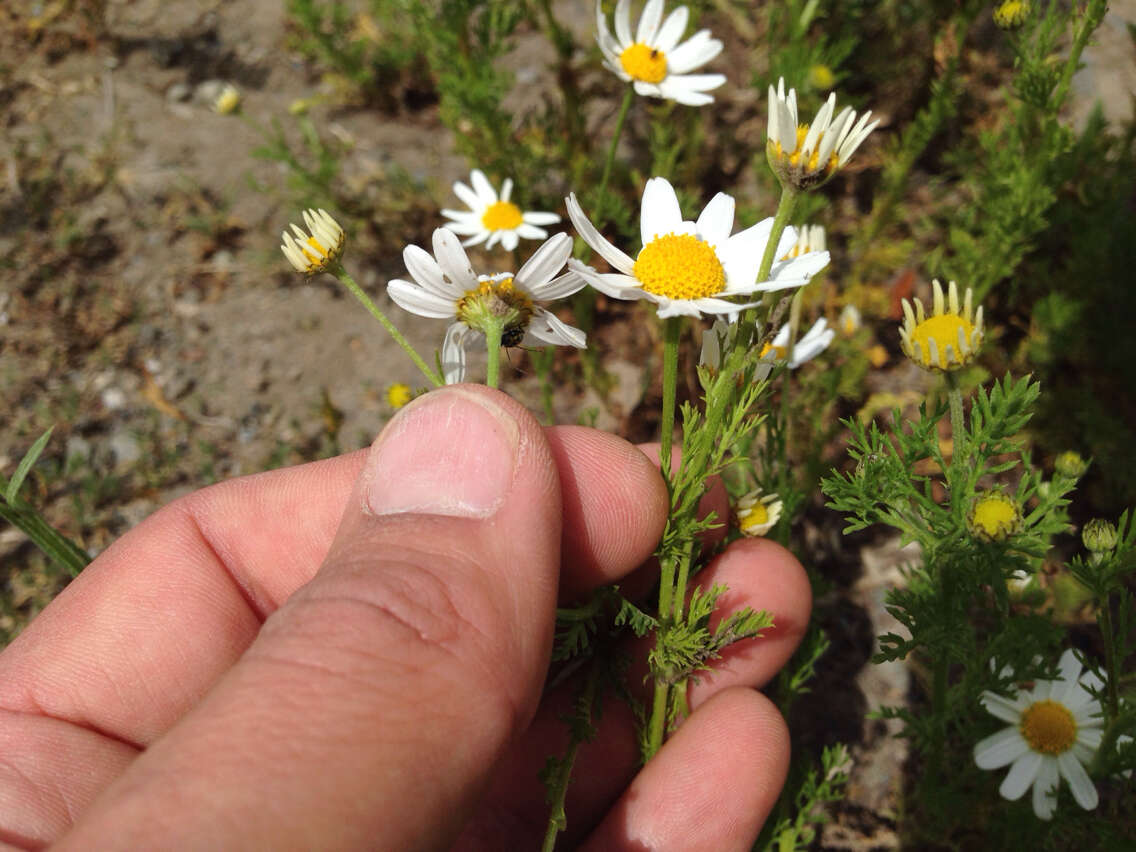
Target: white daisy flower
point(493, 218)
point(757, 514)
point(691, 268)
point(1055, 728)
point(815, 341)
point(318, 252)
point(806, 155)
point(446, 287)
point(850, 320)
point(654, 61)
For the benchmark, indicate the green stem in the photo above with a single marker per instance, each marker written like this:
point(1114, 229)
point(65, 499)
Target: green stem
point(781, 218)
point(357, 291)
point(658, 718)
point(1104, 619)
point(493, 332)
point(558, 788)
point(958, 432)
point(671, 329)
point(624, 108)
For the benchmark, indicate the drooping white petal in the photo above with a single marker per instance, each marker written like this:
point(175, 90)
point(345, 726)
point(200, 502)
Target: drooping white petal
point(611, 284)
point(660, 211)
point(561, 286)
point(595, 239)
point(458, 336)
point(548, 328)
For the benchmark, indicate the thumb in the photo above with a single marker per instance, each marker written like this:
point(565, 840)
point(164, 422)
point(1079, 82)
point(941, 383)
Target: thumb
point(373, 705)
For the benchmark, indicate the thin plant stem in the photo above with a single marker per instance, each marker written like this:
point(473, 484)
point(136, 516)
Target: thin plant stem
point(1104, 619)
point(658, 719)
point(558, 789)
point(357, 291)
point(671, 329)
point(781, 218)
point(620, 120)
point(958, 428)
point(493, 332)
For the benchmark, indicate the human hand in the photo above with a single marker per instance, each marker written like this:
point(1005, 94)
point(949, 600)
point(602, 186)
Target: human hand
point(351, 653)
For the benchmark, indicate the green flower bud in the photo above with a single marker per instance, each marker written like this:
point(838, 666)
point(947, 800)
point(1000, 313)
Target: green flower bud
point(1070, 464)
point(1099, 536)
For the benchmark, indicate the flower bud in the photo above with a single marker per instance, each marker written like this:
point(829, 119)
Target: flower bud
point(994, 517)
point(1099, 536)
point(1070, 464)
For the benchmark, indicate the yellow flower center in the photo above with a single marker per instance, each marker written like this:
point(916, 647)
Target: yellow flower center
point(502, 216)
point(1048, 727)
point(821, 76)
point(995, 516)
point(497, 303)
point(813, 164)
point(780, 353)
point(644, 63)
point(680, 266)
point(944, 330)
point(399, 395)
point(758, 515)
point(321, 254)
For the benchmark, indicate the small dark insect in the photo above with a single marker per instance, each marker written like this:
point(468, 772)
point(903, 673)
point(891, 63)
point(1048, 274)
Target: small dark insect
point(654, 53)
point(512, 336)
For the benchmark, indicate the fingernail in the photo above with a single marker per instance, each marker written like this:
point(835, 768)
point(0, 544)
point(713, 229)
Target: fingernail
point(451, 452)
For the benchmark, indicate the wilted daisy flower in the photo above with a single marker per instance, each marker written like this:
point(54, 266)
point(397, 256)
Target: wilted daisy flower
point(228, 100)
point(809, 238)
point(804, 156)
point(654, 61)
point(315, 253)
point(446, 287)
point(493, 218)
point(1055, 728)
point(757, 514)
point(815, 341)
point(993, 517)
point(946, 340)
point(691, 268)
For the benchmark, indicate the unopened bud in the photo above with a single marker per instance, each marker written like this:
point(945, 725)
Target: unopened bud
point(1070, 464)
point(1099, 536)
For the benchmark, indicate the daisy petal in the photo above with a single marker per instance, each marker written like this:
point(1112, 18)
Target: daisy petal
point(564, 285)
point(545, 263)
point(468, 196)
point(999, 749)
point(697, 50)
point(412, 298)
point(425, 270)
point(649, 22)
point(548, 328)
point(660, 210)
point(672, 29)
point(717, 220)
point(615, 285)
point(538, 218)
point(1021, 775)
point(1084, 791)
point(616, 258)
point(622, 22)
point(453, 353)
point(483, 187)
point(1006, 709)
point(1045, 790)
point(452, 259)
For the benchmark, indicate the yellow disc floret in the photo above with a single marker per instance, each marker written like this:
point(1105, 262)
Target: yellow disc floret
point(644, 63)
point(502, 216)
point(943, 331)
point(680, 266)
point(495, 302)
point(399, 394)
point(757, 516)
point(1048, 727)
point(994, 517)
